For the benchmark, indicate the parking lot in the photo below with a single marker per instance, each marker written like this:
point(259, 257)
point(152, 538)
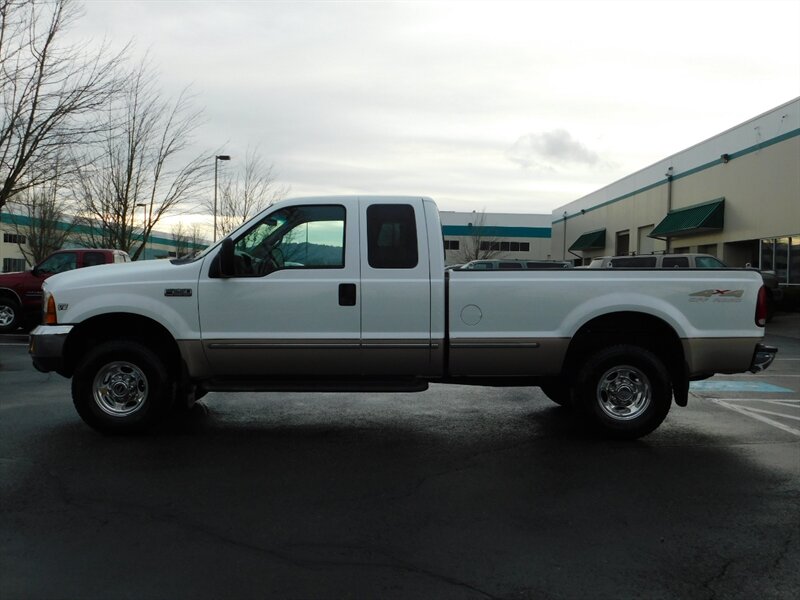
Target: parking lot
point(457, 492)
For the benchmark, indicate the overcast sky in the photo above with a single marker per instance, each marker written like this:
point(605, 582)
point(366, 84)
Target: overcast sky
point(511, 107)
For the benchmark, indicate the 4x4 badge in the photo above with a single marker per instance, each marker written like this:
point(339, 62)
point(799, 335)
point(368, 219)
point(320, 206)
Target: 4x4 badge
point(720, 293)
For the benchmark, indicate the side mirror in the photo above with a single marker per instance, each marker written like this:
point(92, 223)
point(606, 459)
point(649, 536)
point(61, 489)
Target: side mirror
point(227, 259)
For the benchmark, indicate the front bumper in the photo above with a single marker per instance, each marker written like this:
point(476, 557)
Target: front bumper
point(47, 347)
point(762, 358)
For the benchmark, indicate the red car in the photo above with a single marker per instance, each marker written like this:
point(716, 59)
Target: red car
point(21, 293)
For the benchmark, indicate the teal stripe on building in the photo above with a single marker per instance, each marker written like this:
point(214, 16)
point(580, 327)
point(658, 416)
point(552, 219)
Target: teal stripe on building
point(23, 220)
point(497, 231)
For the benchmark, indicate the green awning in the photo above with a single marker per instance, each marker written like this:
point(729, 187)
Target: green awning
point(708, 216)
point(591, 240)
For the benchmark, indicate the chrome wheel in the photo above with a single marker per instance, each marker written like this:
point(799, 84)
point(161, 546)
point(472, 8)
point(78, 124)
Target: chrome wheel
point(624, 393)
point(120, 389)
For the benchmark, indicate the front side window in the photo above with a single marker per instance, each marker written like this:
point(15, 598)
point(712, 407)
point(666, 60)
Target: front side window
point(58, 263)
point(392, 236)
point(296, 237)
point(708, 262)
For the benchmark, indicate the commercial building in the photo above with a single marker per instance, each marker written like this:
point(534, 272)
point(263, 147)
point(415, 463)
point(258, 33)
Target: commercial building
point(471, 235)
point(735, 196)
point(14, 233)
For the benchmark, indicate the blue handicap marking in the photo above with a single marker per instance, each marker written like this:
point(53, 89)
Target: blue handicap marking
point(737, 386)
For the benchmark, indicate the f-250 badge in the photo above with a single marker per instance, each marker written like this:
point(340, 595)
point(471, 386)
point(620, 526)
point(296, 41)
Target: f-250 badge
point(717, 296)
point(178, 292)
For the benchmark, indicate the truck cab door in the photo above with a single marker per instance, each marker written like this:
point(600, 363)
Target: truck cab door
point(292, 305)
point(395, 288)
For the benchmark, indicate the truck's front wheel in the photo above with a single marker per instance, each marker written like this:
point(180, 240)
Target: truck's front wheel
point(625, 390)
point(121, 387)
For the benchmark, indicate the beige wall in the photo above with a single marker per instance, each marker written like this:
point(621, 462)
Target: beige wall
point(762, 200)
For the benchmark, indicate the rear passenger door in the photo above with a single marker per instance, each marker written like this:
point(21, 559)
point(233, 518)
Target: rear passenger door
point(395, 288)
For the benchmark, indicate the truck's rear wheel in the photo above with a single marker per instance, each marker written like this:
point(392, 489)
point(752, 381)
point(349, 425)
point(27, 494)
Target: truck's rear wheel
point(10, 313)
point(625, 390)
point(121, 387)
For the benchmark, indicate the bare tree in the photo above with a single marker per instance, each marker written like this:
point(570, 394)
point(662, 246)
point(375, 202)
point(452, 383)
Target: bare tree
point(245, 192)
point(187, 240)
point(48, 91)
point(180, 239)
point(44, 227)
point(142, 164)
point(480, 244)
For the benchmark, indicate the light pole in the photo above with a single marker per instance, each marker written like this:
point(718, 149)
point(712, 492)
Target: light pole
point(217, 158)
point(144, 224)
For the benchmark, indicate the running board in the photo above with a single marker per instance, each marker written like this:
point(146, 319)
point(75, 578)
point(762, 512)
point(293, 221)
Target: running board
point(315, 385)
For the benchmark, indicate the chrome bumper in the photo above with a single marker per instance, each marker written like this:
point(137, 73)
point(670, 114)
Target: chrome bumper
point(46, 347)
point(762, 358)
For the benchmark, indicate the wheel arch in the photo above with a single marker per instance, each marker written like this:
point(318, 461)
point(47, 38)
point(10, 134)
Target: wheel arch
point(9, 294)
point(631, 327)
point(120, 326)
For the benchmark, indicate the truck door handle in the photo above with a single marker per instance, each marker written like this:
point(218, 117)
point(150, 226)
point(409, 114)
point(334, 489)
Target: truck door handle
point(347, 294)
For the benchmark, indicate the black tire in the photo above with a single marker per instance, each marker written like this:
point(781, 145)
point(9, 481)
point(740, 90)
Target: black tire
point(10, 315)
point(557, 391)
point(625, 390)
point(121, 387)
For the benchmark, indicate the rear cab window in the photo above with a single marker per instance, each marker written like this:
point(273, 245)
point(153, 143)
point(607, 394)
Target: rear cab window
point(392, 236)
point(91, 259)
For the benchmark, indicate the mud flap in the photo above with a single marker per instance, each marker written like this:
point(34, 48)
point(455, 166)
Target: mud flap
point(680, 385)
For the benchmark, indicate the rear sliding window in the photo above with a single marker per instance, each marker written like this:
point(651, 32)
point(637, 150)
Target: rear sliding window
point(392, 236)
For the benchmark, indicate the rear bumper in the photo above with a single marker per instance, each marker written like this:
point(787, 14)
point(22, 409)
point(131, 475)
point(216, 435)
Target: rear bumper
point(762, 358)
point(47, 347)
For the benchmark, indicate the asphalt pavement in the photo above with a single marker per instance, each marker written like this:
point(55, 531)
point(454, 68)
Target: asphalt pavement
point(457, 492)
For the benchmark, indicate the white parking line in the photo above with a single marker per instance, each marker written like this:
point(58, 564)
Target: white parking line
point(753, 413)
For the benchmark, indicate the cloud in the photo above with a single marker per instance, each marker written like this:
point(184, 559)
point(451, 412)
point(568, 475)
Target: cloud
point(548, 150)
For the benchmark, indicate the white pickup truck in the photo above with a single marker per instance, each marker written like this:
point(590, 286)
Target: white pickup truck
point(351, 294)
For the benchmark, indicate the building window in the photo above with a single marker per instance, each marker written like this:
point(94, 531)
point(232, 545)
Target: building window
point(782, 256)
point(452, 245)
point(12, 265)
point(506, 246)
point(13, 238)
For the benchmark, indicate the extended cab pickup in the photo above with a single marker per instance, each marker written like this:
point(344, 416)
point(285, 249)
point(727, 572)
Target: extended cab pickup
point(351, 294)
point(21, 293)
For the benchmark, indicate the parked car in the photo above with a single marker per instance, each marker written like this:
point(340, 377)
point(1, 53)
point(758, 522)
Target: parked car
point(514, 263)
point(658, 261)
point(685, 261)
point(21, 292)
